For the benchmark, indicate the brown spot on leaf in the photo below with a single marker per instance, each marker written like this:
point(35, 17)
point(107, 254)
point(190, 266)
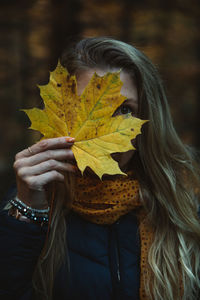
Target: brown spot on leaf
point(132, 129)
point(98, 86)
point(59, 84)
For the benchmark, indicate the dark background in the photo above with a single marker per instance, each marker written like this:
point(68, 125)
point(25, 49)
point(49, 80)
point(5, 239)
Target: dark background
point(32, 36)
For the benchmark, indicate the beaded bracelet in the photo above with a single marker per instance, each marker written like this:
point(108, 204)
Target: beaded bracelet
point(14, 212)
point(37, 215)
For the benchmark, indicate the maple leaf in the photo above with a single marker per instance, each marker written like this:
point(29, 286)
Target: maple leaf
point(87, 118)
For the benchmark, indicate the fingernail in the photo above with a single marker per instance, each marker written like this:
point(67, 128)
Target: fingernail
point(70, 139)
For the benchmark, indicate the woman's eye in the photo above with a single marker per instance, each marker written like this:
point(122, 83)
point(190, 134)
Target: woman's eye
point(122, 110)
point(125, 109)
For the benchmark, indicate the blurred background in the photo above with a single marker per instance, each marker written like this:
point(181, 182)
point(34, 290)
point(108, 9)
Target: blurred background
point(34, 32)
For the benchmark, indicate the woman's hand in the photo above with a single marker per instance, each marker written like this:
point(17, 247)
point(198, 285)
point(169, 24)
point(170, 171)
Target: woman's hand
point(41, 164)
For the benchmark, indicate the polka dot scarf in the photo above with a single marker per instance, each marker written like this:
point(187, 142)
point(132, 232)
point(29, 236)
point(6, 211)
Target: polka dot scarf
point(103, 202)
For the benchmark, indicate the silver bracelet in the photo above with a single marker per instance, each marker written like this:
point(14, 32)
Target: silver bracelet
point(37, 215)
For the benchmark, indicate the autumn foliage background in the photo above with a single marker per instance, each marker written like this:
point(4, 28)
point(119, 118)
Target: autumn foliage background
point(33, 34)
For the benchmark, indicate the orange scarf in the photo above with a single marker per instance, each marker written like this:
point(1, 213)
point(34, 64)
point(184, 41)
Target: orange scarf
point(103, 202)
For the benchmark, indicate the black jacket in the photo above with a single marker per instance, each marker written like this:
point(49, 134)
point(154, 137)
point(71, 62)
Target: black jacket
point(104, 259)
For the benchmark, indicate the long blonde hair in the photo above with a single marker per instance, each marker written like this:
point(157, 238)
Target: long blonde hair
point(167, 172)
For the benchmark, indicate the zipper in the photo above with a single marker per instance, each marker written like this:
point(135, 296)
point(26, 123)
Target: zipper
point(117, 257)
point(118, 273)
point(115, 261)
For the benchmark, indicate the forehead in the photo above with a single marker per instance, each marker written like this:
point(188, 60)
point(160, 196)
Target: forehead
point(128, 89)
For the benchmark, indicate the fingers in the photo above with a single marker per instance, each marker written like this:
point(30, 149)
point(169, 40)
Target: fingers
point(38, 182)
point(58, 154)
point(54, 143)
point(44, 167)
point(43, 163)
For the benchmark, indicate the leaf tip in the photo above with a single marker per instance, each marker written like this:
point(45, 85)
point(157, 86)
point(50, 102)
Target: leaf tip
point(39, 86)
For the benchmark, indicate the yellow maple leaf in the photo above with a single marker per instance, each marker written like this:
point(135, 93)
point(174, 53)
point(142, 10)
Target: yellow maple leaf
point(87, 118)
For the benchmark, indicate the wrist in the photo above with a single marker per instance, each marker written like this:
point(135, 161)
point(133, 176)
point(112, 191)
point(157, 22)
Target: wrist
point(32, 201)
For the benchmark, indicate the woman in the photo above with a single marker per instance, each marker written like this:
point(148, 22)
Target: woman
point(151, 250)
